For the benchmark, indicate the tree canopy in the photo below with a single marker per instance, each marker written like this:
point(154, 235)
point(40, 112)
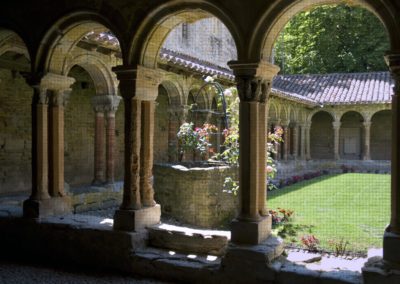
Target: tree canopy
point(330, 39)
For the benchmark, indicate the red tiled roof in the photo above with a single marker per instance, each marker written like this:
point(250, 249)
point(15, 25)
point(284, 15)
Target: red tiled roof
point(338, 88)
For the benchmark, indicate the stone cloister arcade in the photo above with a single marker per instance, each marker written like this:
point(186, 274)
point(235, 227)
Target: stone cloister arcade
point(43, 44)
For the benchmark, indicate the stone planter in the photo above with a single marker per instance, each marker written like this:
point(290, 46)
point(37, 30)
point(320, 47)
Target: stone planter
point(194, 194)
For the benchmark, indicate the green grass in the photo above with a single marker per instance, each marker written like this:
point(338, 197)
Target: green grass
point(352, 206)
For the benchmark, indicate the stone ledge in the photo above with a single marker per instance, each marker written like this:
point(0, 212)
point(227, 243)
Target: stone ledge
point(376, 270)
point(135, 220)
point(184, 239)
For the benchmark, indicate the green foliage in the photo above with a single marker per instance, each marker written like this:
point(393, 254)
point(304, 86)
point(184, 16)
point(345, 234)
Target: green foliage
point(331, 39)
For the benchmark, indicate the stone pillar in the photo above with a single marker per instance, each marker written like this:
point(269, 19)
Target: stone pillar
point(391, 238)
point(146, 166)
point(286, 141)
point(308, 141)
point(295, 131)
point(48, 197)
point(336, 133)
point(173, 128)
point(134, 87)
point(98, 147)
point(262, 142)
point(253, 81)
point(367, 140)
point(110, 109)
point(303, 142)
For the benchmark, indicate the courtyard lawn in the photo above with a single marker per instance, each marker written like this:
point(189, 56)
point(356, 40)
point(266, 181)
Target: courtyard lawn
point(352, 206)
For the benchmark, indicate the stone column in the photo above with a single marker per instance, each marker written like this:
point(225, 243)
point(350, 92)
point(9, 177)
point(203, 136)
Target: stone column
point(308, 141)
point(367, 140)
point(286, 141)
point(48, 197)
point(336, 133)
point(303, 142)
point(262, 141)
point(295, 131)
point(146, 167)
point(98, 146)
point(391, 238)
point(132, 216)
point(173, 128)
point(253, 81)
point(110, 109)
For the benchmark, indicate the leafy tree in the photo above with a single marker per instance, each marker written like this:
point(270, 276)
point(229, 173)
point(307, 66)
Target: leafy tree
point(329, 39)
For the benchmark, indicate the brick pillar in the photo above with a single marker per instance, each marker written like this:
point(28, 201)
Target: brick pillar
point(308, 141)
point(286, 141)
point(99, 147)
point(303, 142)
point(146, 167)
point(295, 131)
point(336, 132)
point(367, 140)
point(136, 84)
point(253, 81)
point(391, 239)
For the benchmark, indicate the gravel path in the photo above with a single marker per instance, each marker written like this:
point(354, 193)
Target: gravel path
point(17, 273)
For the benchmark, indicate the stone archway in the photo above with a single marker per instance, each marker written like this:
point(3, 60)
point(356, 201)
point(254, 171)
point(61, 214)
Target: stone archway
point(15, 119)
point(351, 136)
point(381, 135)
point(322, 136)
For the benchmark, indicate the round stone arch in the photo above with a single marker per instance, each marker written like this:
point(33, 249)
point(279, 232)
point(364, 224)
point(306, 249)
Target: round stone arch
point(53, 54)
point(312, 113)
point(321, 135)
point(105, 82)
point(381, 135)
point(273, 112)
point(149, 36)
point(351, 135)
point(15, 118)
point(274, 20)
point(174, 95)
point(11, 41)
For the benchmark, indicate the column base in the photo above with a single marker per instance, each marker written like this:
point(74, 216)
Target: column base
point(391, 249)
point(47, 207)
point(258, 260)
point(134, 220)
point(251, 233)
point(376, 270)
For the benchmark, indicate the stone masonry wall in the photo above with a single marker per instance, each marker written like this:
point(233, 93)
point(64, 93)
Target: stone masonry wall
point(15, 133)
point(195, 196)
point(321, 136)
point(381, 136)
point(79, 130)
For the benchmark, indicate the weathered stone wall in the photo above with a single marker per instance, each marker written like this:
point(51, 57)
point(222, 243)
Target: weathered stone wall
point(351, 132)
point(195, 195)
point(381, 135)
point(321, 136)
point(79, 130)
point(15, 133)
point(161, 126)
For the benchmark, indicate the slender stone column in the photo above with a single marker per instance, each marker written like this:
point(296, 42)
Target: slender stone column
point(391, 239)
point(303, 142)
point(367, 140)
point(253, 81)
point(173, 127)
point(308, 141)
point(133, 215)
point(48, 197)
point(111, 108)
point(262, 156)
point(146, 167)
point(99, 147)
point(336, 133)
point(56, 116)
point(295, 131)
point(286, 141)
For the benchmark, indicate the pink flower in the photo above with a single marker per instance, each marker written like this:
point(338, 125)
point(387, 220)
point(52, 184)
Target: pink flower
point(269, 169)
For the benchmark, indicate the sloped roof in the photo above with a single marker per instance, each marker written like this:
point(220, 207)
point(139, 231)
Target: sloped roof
point(338, 88)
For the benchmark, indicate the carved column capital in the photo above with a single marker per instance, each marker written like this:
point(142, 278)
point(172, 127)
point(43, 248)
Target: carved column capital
point(254, 80)
point(59, 98)
point(367, 124)
point(138, 82)
point(107, 104)
point(336, 124)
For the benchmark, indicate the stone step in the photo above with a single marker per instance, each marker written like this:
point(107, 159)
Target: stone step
point(187, 240)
